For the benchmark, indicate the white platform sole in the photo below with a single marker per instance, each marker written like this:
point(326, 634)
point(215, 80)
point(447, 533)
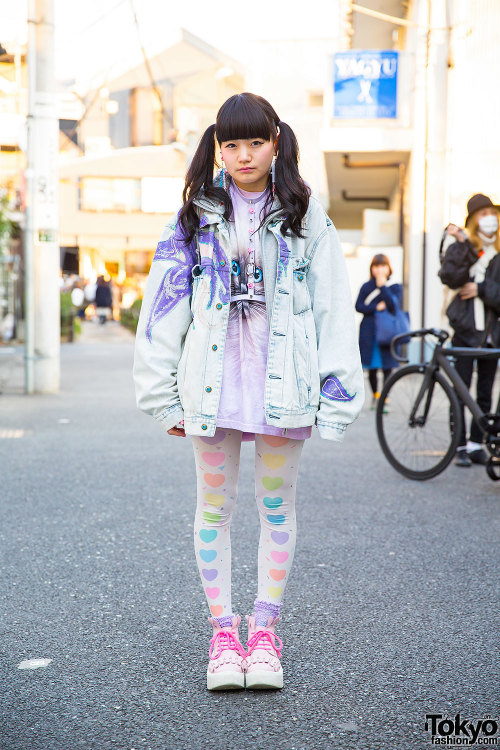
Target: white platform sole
point(225, 680)
point(260, 679)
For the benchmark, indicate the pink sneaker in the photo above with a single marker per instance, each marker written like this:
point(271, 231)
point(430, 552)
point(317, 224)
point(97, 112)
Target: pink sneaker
point(262, 663)
point(225, 669)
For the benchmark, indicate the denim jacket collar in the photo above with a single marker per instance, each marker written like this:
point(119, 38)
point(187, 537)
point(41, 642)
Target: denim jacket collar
point(213, 212)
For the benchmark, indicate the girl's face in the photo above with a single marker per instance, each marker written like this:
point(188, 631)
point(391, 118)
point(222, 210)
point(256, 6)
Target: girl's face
point(249, 161)
point(382, 270)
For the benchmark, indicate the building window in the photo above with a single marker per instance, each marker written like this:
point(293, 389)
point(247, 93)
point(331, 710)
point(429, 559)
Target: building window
point(161, 195)
point(110, 194)
point(145, 118)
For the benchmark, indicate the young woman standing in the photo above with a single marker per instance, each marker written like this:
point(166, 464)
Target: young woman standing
point(247, 333)
point(377, 295)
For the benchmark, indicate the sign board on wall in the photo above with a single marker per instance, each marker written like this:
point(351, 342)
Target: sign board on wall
point(365, 84)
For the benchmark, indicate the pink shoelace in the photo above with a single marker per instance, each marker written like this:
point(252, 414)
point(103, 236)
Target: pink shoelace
point(264, 639)
point(223, 640)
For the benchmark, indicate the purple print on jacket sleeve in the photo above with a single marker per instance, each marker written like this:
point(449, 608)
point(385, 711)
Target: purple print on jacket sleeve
point(333, 389)
point(284, 255)
point(176, 282)
point(217, 267)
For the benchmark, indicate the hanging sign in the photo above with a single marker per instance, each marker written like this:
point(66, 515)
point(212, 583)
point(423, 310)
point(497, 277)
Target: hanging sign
point(365, 84)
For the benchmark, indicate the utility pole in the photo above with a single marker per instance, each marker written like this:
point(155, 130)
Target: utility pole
point(42, 349)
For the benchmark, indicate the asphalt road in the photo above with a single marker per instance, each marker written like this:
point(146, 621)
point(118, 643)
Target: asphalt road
point(391, 611)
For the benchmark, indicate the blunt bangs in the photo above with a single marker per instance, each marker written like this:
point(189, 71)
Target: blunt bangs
point(243, 117)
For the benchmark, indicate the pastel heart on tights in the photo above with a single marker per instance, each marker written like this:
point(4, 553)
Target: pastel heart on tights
point(210, 574)
point(207, 555)
point(214, 480)
point(272, 483)
point(216, 500)
point(279, 557)
point(213, 459)
point(208, 535)
point(211, 517)
point(273, 461)
point(272, 502)
point(214, 593)
point(277, 575)
point(216, 609)
point(280, 537)
point(274, 591)
point(276, 519)
point(219, 435)
point(274, 440)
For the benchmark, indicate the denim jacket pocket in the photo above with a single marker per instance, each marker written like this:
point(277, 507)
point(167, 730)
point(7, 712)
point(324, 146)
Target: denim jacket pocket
point(300, 291)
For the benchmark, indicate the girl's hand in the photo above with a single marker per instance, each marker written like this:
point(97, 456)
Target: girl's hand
point(178, 430)
point(381, 306)
point(456, 232)
point(469, 290)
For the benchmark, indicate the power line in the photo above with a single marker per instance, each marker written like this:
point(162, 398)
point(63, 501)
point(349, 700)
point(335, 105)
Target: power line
point(147, 65)
point(101, 17)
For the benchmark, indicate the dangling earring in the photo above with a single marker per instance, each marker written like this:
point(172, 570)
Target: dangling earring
point(273, 176)
point(224, 177)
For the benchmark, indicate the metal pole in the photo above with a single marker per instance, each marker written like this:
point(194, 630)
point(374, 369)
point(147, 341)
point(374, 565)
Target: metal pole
point(426, 167)
point(29, 248)
point(42, 245)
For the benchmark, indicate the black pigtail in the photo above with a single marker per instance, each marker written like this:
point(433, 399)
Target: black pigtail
point(291, 189)
point(199, 180)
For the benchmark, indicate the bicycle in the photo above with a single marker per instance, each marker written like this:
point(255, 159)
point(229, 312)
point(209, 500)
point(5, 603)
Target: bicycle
point(418, 414)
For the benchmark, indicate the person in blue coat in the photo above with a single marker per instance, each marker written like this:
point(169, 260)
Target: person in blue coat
point(376, 295)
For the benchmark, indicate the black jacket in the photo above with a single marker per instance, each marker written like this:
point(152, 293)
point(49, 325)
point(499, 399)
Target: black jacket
point(455, 272)
point(103, 296)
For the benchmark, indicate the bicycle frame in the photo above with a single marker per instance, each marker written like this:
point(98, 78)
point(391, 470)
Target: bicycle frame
point(441, 360)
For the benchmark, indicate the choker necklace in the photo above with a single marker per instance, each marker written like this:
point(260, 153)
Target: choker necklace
point(259, 197)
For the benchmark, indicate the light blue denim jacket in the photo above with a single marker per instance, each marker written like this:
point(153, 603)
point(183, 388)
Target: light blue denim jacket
point(313, 365)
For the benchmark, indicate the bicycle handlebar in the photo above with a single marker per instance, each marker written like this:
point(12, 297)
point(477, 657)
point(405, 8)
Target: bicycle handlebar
point(452, 351)
point(439, 333)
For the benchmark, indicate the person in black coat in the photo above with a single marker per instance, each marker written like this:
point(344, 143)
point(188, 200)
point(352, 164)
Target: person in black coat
point(472, 266)
point(376, 295)
point(103, 299)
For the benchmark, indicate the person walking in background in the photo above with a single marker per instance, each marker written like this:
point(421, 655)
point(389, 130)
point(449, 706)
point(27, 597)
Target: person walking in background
point(472, 265)
point(247, 332)
point(375, 295)
point(116, 298)
point(78, 298)
point(103, 300)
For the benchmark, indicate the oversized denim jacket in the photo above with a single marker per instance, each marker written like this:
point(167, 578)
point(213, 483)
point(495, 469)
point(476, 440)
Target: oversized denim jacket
point(313, 365)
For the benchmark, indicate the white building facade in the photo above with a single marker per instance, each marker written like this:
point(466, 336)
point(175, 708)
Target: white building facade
point(392, 179)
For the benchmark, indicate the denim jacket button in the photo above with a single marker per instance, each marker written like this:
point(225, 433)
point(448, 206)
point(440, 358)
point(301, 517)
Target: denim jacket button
point(300, 277)
point(218, 306)
point(208, 389)
point(214, 347)
point(204, 427)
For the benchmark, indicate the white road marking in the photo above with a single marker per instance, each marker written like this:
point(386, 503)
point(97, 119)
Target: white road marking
point(34, 663)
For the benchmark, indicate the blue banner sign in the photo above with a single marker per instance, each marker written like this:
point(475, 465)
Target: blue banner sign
point(365, 83)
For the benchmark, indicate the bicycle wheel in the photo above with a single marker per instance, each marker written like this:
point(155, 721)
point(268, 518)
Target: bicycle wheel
point(423, 447)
